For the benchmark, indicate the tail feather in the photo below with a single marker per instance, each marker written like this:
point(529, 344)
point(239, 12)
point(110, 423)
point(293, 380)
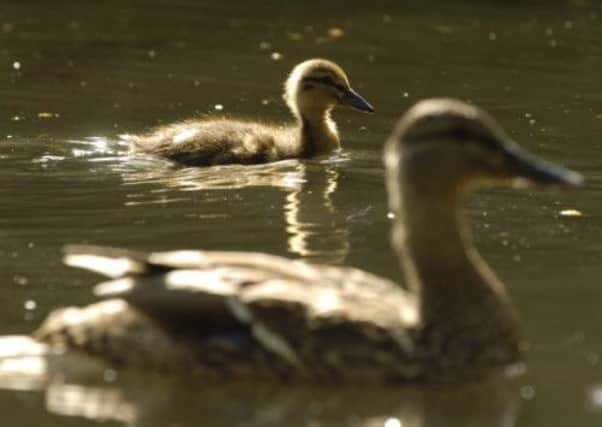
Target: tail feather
point(109, 262)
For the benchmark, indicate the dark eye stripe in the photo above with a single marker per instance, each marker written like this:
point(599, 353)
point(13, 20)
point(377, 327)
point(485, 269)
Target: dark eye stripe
point(326, 80)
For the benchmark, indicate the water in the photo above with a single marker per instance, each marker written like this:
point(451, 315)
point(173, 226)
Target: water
point(75, 75)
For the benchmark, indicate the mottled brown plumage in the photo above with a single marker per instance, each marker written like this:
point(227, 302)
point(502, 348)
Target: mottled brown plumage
point(312, 90)
point(231, 315)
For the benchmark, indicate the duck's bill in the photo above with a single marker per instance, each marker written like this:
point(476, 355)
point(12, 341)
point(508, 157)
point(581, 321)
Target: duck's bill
point(356, 101)
point(524, 167)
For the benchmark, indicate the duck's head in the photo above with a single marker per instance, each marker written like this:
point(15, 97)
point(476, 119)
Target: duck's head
point(318, 85)
point(444, 147)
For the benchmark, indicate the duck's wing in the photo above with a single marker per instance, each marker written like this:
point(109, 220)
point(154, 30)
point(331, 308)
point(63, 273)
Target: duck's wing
point(302, 313)
point(157, 280)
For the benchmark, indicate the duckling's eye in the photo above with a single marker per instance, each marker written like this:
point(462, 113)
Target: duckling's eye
point(340, 87)
point(327, 81)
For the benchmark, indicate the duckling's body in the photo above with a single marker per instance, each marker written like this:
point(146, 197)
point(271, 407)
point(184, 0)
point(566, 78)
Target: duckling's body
point(313, 89)
point(247, 315)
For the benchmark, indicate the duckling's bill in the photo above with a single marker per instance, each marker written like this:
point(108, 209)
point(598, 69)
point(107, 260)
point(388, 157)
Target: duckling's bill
point(354, 100)
point(525, 168)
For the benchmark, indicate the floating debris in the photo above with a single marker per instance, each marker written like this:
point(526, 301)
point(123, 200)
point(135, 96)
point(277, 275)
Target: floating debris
point(443, 29)
point(527, 392)
point(20, 280)
point(571, 212)
point(336, 32)
point(219, 107)
point(16, 65)
point(8, 27)
point(46, 115)
point(295, 36)
point(276, 56)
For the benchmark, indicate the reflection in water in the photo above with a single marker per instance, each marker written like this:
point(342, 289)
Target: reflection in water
point(155, 401)
point(311, 220)
point(283, 175)
point(314, 229)
point(314, 233)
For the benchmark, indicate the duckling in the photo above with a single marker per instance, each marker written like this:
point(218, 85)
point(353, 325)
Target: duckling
point(236, 315)
point(311, 91)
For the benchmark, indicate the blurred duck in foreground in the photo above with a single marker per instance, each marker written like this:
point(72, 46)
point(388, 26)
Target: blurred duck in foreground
point(234, 315)
point(312, 90)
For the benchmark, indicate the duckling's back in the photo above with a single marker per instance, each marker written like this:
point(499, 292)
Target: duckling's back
point(219, 141)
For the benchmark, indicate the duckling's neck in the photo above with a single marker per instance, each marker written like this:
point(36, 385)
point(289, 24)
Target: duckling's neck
point(463, 306)
point(318, 133)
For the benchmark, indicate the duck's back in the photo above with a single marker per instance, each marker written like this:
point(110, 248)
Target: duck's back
point(242, 315)
point(206, 142)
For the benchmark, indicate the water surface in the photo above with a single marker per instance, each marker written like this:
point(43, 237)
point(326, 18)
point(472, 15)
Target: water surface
point(75, 75)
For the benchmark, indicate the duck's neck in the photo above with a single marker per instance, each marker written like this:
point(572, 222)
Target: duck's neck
point(318, 133)
point(463, 306)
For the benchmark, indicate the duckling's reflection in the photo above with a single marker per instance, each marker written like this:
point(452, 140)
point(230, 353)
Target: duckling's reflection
point(315, 232)
point(153, 401)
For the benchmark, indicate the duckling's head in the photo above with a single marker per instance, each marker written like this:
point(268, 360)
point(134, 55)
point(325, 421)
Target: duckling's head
point(318, 85)
point(445, 146)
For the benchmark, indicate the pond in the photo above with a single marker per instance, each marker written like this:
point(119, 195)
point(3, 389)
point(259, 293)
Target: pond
point(75, 75)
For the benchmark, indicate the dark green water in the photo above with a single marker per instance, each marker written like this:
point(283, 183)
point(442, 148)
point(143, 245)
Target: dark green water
point(73, 75)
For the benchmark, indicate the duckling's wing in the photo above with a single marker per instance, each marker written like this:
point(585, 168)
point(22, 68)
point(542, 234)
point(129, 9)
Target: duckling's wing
point(204, 142)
